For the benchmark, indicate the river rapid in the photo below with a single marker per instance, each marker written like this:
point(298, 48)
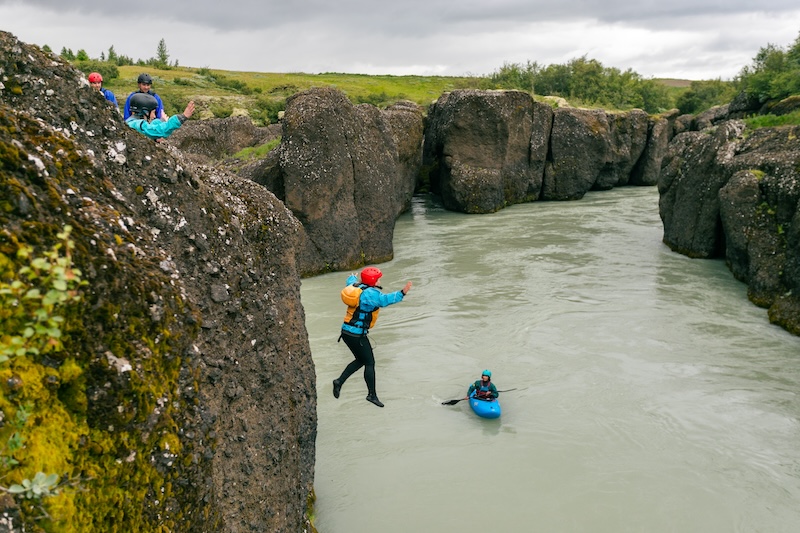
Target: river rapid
point(652, 396)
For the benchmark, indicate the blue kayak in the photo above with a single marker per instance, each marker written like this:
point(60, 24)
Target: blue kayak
point(484, 408)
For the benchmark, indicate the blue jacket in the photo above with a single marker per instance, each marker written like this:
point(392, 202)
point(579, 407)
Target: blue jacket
point(127, 112)
point(371, 299)
point(109, 96)
point(157, 128)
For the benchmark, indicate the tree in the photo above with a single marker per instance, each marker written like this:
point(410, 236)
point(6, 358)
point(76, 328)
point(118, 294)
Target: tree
point(67, 54)
point(82, 55)
point(112, 54)
point(162, 57)
point(47, 49)
point(773, 74)
point(706, 94)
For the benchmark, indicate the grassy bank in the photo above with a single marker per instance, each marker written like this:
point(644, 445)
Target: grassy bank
point(221, 93)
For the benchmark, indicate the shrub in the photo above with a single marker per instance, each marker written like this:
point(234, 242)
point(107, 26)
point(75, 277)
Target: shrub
point(108, 70)
point(703, 95)
point(33, 301)
point(221, 109)
point(267, 110)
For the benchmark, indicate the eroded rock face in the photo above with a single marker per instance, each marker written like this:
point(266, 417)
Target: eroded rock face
point(692, 174)
point(343, 176)
point(406, 127)
point(647, 170)
point(580, 148)
point(488, 149)
point(629, 137)
point(478, 150)
point(727, 192)
point(184, 396)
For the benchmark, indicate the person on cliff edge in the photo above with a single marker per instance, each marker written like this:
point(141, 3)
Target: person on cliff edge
point(145, 83)
point(364, 300)
point(96, 82)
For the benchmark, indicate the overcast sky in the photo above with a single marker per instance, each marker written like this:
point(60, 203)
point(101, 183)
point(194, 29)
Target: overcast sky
point(691, 39)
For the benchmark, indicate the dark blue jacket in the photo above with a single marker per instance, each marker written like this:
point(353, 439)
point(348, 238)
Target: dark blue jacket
point(127, 112)
point(109, 96)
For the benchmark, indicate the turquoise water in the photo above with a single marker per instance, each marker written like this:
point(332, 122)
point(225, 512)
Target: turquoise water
point(652, 396)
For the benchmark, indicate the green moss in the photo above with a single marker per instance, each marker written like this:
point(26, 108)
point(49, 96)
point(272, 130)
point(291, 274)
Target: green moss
point(104, 428)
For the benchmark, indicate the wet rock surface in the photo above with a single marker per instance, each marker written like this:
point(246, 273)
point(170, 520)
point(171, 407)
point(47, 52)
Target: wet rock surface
point(727, 192)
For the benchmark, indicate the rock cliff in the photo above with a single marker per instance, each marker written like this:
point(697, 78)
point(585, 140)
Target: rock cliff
point(730, 192)
point(346, 172)
point(485, 150)
point(184, 396)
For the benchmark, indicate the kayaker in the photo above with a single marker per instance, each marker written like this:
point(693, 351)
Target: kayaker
point(484, 388)
point(363, 299)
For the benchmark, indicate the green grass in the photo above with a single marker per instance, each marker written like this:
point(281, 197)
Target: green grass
point(218, 93)
point(252, 153)
point(771, 121)
point(263, 93)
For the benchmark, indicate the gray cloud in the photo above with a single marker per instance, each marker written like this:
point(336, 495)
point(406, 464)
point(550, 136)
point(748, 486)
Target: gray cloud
point(414, 16)
point(682, 38)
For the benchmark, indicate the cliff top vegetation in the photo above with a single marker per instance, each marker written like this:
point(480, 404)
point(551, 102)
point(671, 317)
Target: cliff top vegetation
point(585, 82)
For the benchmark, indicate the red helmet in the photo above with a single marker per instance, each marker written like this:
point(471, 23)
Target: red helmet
point(95, 77)
point(370, 276)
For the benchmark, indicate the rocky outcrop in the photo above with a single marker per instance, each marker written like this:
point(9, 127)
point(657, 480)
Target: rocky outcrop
point(629, 137)
point(787, 105)
point(727, 192)
point(478, 149)
point(742, 105)
point(648, 168)
point(488, 149)
point(346, 172)
point(213, 139)
point(692, 174)
point(580, 147)
point(405, 123)
point(184, 396)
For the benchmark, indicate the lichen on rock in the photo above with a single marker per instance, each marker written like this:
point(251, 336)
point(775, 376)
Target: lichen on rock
point(168, 409)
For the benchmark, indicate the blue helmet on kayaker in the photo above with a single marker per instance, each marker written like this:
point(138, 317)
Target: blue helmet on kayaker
point(370, 276)
point(487, 373)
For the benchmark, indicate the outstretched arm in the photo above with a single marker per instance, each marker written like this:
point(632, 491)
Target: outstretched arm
point(406, 288)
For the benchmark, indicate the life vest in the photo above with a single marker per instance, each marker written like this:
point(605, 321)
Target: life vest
point(356, 316)
point(482, 391)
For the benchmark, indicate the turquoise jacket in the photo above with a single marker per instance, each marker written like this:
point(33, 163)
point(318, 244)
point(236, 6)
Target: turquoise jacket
point(157, 128)
point(371, 299)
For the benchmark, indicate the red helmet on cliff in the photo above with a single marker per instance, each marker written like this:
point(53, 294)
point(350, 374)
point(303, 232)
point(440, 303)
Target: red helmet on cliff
point(95, 77)
point(370, 276)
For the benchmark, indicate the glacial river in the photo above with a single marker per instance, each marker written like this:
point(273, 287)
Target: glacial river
point(652, 396)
